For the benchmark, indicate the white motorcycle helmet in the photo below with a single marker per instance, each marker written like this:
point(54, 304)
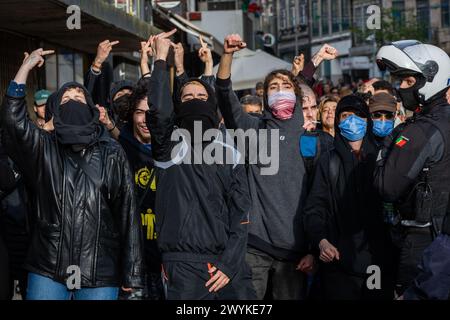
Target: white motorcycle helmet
point(429, 64)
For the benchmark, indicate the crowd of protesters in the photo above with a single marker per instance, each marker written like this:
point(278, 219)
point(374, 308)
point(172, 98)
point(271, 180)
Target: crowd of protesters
point(98, 202)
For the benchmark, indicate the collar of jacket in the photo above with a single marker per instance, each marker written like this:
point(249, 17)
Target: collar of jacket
point(127, 135)
point(435, 105)
point(368, 148)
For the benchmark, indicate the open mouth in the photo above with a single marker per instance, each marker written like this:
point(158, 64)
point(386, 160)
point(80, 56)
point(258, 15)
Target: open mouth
point(144, 129)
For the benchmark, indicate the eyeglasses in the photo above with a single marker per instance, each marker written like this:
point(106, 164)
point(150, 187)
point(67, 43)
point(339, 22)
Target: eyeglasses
point(386, 115)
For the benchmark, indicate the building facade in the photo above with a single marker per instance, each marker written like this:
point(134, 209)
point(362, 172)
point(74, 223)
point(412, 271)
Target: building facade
point(330, 22)
point(425, 20)
point(293, 28)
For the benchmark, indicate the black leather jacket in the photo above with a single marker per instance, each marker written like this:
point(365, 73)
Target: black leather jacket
point(77, 223)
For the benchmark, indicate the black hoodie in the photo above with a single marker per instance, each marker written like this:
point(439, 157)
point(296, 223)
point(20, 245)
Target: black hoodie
point(142, 166)
point(202, 208)
point(343, 206)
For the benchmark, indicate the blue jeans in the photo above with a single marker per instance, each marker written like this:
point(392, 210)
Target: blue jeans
point(43, 288)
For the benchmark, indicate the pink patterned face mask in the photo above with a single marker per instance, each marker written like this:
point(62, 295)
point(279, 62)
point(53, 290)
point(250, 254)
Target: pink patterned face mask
point(282, 104)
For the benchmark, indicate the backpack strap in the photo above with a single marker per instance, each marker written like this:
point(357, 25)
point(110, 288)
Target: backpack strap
point(92, 174)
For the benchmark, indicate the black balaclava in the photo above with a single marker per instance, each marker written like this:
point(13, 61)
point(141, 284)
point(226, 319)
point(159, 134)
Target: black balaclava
point(410, 97)
point(76, 123)
point(119, 104)
point(197, 110)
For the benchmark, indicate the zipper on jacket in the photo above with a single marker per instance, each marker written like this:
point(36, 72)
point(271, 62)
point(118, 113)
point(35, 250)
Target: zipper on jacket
point(72, 220)
point(62, 198)
point(97, 235)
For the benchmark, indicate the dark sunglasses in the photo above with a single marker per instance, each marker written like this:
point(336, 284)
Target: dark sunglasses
point(379, 115)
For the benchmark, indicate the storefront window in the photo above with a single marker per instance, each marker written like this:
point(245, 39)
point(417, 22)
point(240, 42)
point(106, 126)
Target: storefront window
point(335, 17)
point(445, 13)
point(65, 66)
point(324, 17)
point(398, 11)
point(345, 14)
point(78, 68)
point(423, 16)
point(51, 76)
point(315, 17)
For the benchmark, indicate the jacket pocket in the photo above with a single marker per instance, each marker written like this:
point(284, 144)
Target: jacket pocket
point(45, 246)
point(108, 259)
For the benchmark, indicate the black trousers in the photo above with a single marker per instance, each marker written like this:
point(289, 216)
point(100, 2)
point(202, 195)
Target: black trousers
point(186, 281)
point(336, 284)
point(413, 242)
point(4, 272)
point(285, 281)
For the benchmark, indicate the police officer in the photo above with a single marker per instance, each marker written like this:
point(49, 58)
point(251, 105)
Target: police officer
point(414, 171)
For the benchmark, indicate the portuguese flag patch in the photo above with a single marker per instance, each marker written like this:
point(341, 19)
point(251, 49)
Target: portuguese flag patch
point(400, 142)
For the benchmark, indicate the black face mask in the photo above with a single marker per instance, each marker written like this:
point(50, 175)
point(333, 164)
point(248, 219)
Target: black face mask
point(120, 104)
point(75, 113)
point(75, 124)
point(197, 110)
point(410, 97)
point(256, 114)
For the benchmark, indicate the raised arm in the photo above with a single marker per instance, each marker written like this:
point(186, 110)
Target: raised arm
point(160, 117)
point(306, 72)
point(179, 59)
point(235, 117)
point(146, 52)
point(25, 140)
point(95, 71)
point(298, 64)
point(204, 53)
point(181, 77)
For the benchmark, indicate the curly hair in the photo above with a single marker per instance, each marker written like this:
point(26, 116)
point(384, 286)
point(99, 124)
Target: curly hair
point(140, 92)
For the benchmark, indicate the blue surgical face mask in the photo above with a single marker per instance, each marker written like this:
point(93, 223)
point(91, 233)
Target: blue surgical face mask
point(353, 128)
point(383, 128)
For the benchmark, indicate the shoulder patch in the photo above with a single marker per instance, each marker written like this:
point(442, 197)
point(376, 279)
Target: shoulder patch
point(401, 141)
